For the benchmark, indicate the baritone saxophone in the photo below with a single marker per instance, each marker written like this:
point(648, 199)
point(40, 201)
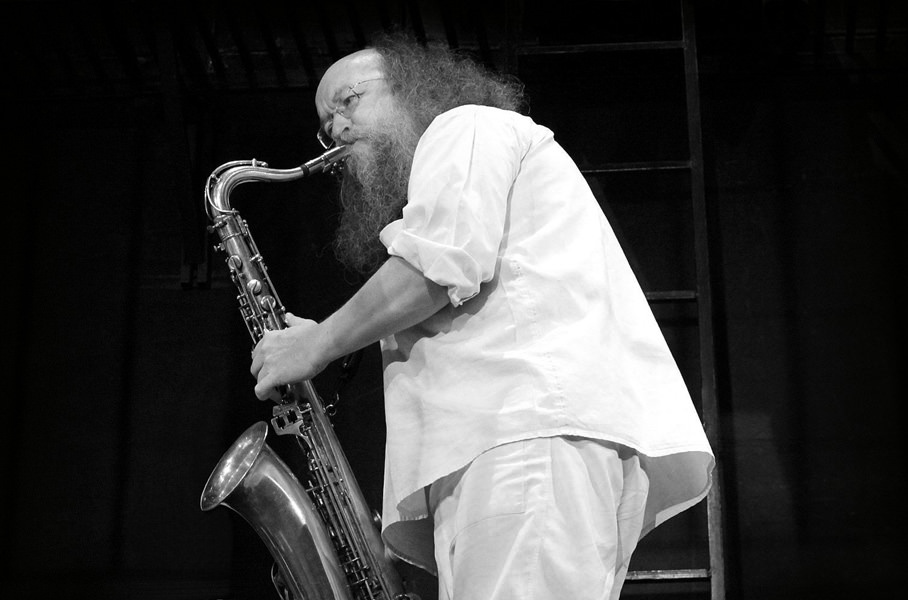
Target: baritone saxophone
point(323, 538)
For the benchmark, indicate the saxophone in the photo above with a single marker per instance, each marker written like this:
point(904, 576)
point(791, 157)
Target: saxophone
point(323, 538)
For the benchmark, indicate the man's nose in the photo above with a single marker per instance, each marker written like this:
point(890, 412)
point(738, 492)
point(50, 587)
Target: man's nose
point(339, 125)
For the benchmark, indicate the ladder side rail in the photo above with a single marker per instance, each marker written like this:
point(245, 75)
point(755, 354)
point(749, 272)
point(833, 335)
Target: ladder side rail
point(708, 383)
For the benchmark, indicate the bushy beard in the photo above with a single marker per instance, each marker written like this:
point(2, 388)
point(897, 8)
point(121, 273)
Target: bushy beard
point(373, 192)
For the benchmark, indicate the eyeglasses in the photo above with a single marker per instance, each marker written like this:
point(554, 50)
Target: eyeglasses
point(345, 109)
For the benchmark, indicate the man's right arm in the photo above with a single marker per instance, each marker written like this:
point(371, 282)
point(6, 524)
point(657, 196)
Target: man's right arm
point(396, 297)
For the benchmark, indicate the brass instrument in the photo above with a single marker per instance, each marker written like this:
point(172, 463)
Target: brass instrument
point(321, 534)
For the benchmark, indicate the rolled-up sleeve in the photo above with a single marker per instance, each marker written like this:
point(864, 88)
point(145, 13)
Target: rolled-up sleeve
point(452, 225)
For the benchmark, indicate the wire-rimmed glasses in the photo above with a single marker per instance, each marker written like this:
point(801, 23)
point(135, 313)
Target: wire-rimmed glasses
point(344, 108)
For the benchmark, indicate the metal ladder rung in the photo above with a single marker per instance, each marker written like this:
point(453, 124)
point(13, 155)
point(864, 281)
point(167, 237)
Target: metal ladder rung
point(669, 574)
point(601, 47)
point(650, 165)
point(672, 296)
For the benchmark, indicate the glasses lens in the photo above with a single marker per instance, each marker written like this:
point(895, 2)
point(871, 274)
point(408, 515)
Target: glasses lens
point(324, 139)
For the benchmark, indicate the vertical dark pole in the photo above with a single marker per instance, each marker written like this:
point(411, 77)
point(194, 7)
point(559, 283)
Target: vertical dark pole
point(194, 270)
point(708, 381)
point(513, 25)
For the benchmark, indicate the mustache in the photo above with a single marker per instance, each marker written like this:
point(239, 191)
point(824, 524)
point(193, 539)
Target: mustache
point(348, 137)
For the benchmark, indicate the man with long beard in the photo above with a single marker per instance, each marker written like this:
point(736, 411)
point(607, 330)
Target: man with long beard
point(538, 425)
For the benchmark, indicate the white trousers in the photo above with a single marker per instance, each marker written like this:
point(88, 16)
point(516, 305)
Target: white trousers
point(544, 518)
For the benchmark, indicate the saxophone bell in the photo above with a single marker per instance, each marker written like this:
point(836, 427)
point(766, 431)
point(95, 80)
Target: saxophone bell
point(251, 480)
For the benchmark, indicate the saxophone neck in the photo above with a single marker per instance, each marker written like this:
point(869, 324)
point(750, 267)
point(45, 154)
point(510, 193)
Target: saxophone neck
point(326, 161)
point(229, 175)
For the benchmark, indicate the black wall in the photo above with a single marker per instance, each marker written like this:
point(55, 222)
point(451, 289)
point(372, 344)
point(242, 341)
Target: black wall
point(126, 380)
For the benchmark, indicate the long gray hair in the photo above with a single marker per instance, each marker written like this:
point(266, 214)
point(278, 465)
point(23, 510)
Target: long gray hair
point(429, 80)
point(425, 82)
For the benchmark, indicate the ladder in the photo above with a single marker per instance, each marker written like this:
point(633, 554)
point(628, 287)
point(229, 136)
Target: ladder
point(713, 575)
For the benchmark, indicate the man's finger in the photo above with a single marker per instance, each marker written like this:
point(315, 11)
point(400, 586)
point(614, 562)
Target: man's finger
point(257, 360)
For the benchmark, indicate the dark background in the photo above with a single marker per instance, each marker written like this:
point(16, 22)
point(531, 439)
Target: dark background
point(126, 362)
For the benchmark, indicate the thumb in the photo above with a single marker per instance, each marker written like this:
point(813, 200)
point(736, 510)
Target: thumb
point(292, 319)
point(264, 390)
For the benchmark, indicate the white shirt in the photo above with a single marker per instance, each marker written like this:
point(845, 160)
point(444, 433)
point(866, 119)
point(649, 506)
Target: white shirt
point(547, 332)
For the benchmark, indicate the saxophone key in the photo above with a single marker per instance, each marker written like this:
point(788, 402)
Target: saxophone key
point(254, 286)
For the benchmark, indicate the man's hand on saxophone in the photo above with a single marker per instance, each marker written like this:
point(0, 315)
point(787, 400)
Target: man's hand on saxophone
point(287, 356)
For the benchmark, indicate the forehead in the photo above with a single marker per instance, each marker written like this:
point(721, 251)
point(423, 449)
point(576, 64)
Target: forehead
point(356, 67)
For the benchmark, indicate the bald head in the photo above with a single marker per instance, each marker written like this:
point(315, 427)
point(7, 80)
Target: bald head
point(351, 93)
point(359, 66)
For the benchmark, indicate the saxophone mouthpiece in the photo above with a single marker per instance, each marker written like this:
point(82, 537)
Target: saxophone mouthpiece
point(326, 161)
